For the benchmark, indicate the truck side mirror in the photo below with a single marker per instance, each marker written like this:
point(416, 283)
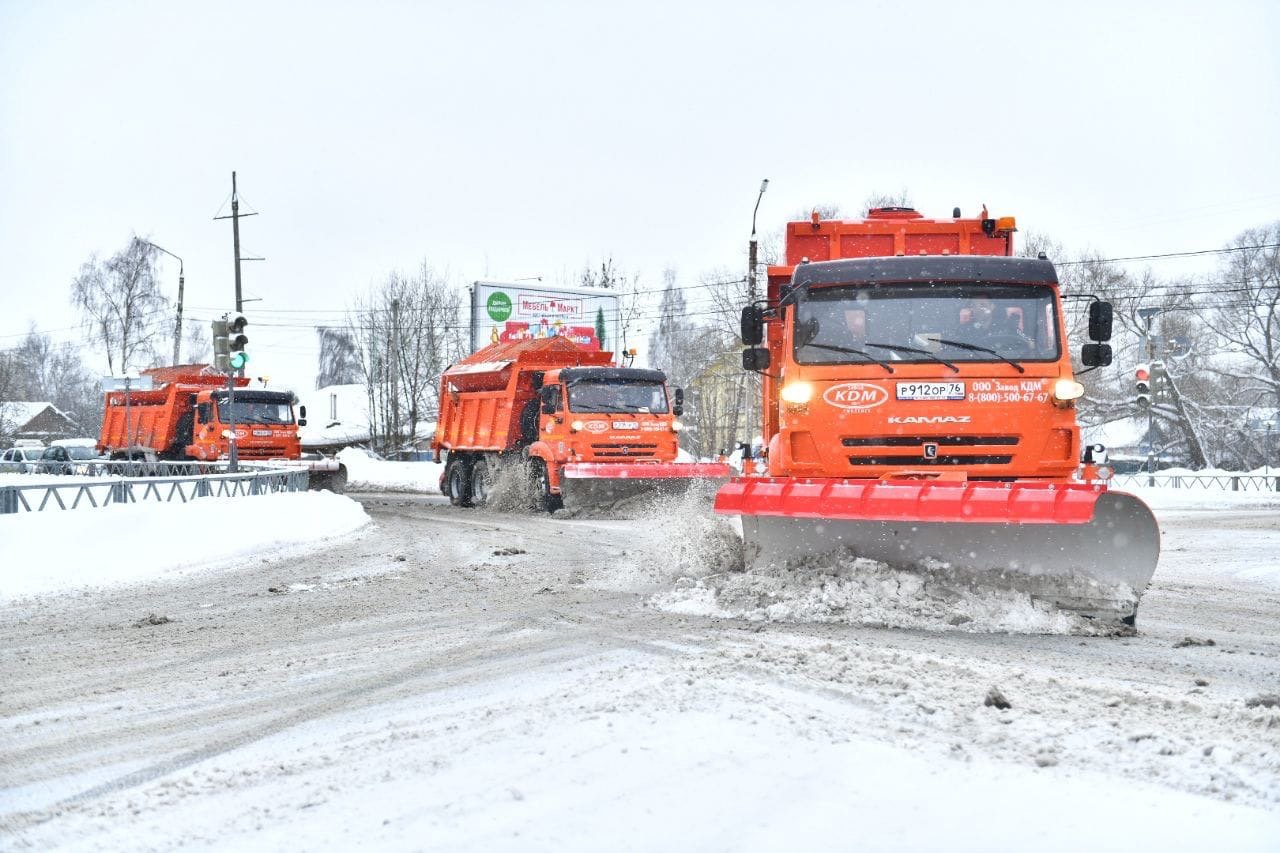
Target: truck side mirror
point(549, 399)
point(191, 399)
point(1100, 322)
point(678, 408)
point(752, 325)
point(302, 412)
point(1095, 355)
point(755, 359)
point(204, 412)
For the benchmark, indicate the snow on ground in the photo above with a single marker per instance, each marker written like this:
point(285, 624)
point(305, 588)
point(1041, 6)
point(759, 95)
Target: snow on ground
point(62, 550)
point(367, 474)
point(699, 576)
point(735, 740)
point(601, 755)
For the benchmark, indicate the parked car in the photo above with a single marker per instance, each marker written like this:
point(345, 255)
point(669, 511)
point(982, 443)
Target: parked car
point(63, 459)
point(20, 460)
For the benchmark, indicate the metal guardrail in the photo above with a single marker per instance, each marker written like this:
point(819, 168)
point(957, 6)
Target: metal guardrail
point(1208, 482)
point(212, 482)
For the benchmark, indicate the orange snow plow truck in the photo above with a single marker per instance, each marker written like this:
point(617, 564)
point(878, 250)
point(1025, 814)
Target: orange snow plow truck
point(185, 416)
point(584, 432)
point(919, 410)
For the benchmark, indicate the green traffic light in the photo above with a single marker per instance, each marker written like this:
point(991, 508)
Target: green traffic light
point(239, 360)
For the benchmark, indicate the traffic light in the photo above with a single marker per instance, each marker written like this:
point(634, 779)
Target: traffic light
point(221, 346)
point(239, 358)
point(1142, 385)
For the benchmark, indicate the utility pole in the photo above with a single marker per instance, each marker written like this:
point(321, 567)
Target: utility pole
point(235, 238)
point(395, 368)
point(1148, 345)
point(177, 326)
point(751, 254)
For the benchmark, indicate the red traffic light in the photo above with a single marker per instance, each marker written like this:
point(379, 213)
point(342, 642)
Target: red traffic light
point(1142, 374)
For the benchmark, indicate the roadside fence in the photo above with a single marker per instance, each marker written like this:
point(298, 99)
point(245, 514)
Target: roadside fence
point(1208, 482)
point(155, 482)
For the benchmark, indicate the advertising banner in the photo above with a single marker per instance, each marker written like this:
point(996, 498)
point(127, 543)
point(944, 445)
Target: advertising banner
point(502, 311)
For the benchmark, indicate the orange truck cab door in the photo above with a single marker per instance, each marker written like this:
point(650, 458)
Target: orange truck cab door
point(554, 429)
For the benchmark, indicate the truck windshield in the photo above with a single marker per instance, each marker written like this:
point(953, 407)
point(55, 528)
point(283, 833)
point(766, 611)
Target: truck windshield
point(601, 397)
point(256, 412)
point(933, 322)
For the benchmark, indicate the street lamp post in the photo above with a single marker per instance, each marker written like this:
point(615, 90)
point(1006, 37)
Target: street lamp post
point(177, 326)
point(751, 259)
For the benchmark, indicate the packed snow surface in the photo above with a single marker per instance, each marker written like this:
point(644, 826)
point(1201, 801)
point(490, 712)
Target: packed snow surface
point(475, 681)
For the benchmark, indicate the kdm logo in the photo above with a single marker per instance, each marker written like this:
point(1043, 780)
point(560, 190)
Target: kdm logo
point(855, 396)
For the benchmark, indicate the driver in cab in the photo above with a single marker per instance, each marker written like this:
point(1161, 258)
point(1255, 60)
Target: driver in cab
point(984, 321)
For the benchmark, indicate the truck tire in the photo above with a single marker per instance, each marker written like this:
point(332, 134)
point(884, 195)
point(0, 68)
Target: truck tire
point(540, 481)
point(480, 483)
point(457, 482)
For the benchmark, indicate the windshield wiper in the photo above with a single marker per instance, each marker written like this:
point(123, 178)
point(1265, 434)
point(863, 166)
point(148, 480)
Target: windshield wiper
point(868, 356)
point(605, 409)
point(976, 348)
point(925, 352)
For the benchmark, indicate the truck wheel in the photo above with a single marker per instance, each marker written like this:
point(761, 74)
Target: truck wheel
point(457, 478)
point(480, 483)
point(541, 483)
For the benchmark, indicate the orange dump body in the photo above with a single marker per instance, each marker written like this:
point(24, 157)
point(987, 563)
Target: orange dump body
point(483, 396)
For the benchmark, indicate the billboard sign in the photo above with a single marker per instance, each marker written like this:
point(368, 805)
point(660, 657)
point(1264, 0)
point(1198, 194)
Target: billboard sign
point(128, 383)
point(501, 312)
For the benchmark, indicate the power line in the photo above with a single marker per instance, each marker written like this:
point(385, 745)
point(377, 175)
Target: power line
point(1164, 255)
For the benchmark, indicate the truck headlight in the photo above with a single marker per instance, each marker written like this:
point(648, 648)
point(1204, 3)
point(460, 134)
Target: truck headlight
point(797, 392)
point(578, 426)
point(676, 426)
point(1067, 389)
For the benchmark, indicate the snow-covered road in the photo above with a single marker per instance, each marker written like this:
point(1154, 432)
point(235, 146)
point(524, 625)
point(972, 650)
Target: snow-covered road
point(460, 680)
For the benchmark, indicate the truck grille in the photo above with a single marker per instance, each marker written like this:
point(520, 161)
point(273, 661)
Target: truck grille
point(623, 451)
point(921, 440)
point(944, 444)
point(260, 452)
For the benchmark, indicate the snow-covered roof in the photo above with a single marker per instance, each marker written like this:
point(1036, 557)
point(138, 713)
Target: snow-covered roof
point(20, 413)
point(336, 415)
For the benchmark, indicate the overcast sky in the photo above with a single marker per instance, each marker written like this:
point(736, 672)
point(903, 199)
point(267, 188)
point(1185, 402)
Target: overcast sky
point(509, 140)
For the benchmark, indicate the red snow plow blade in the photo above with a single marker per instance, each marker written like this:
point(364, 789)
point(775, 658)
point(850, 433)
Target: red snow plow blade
point(596, 484)
point(1076, 545)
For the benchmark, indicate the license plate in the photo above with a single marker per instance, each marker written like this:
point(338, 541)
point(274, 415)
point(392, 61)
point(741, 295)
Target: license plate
point(262, 432)
point(930, 390)
point(626, 425)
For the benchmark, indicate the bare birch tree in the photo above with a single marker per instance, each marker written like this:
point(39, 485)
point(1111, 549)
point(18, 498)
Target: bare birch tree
point(406, 332)
point(1244, 315)
point(122, 306)
point(339, 358)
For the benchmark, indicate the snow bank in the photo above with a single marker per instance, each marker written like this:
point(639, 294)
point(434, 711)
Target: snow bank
point(366, 474)
point(58, 551)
